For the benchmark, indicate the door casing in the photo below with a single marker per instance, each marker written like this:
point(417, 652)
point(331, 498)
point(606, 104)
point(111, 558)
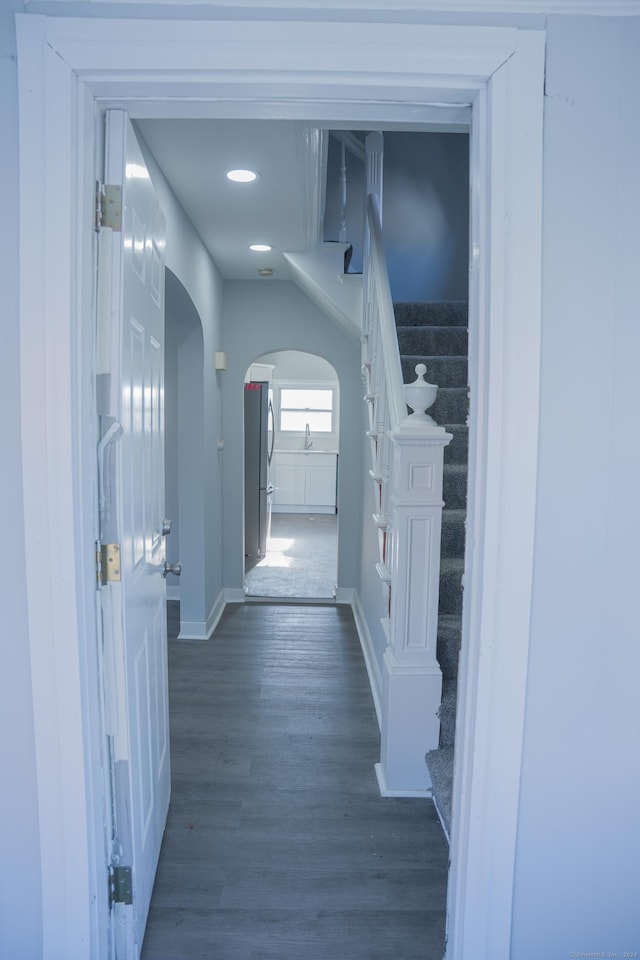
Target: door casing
point(70, 69)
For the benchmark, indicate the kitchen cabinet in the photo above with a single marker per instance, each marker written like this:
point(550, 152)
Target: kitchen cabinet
point(304, 481)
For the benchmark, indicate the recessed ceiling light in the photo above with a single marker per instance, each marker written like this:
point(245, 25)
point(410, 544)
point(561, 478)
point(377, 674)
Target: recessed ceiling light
point(266, 272)
point(242, 176)
point(261, 247)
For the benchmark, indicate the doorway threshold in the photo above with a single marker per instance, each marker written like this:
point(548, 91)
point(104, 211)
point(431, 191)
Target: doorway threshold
point(302, 601)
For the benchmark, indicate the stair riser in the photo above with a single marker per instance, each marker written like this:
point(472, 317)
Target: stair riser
point(447, 713)
point(451, 405)
point(432, 341)
point(450, 313)
point(454, 486)
point(448, 651)
point(458, 448)
point(443, 371)
point(450, 588)
point(452, 533)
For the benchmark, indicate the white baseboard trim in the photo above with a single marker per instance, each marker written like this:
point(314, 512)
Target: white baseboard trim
point(373, 670)
point(173, 593)
point(199, 630)
point(385, 792)
point(345, 595)
point(233, 595)
point(302, 508)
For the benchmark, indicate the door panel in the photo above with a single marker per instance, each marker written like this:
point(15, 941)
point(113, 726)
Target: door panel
point(141, 778)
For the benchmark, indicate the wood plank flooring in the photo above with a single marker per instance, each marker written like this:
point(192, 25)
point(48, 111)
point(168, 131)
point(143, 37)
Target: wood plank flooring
point(278, 845)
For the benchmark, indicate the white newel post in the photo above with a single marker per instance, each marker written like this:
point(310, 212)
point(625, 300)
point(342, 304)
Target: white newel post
point(412, 679)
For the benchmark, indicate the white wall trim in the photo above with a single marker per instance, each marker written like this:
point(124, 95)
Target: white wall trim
point(233, 595)
point(345, 595)
point(203, 630)
point(369, 654)
point(288, 67)
point(427, 794)
point(607, 8)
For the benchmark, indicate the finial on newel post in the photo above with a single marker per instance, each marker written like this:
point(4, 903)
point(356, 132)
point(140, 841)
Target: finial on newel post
point(419, 396)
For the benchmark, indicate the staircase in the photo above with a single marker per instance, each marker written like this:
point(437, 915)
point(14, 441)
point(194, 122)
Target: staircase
point(436, 334)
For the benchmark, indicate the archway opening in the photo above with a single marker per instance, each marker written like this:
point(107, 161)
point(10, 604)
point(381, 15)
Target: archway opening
point(291, 454)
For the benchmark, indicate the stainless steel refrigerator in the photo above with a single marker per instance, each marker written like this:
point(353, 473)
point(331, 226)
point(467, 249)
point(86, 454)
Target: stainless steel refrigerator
point(258, 448)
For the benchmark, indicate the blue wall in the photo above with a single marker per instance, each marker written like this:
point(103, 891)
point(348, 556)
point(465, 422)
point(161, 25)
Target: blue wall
point(425, 215)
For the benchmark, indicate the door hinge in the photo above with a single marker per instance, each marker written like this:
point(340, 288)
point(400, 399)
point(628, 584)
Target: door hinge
point(107, 563)
point(109, 206)
point(120, 885)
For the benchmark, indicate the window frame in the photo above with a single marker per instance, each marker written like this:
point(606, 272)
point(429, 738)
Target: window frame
point(307, 385)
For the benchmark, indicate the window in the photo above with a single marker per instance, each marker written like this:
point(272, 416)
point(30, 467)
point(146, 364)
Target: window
point(302, 406)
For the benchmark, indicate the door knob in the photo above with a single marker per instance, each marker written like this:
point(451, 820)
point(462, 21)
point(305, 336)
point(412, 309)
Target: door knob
point(166, 527)
point(174, 568)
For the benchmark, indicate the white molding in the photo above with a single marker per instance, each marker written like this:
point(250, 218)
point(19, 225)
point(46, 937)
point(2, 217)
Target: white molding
point(234, 595)
point(369, 654)
point(411, 695)
point(386, 792)
point(203, 630)
point(607, 8)
point(506, 145)
point(345, 595)
point(288, 68)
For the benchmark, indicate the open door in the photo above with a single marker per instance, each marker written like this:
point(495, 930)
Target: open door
point(130, 385)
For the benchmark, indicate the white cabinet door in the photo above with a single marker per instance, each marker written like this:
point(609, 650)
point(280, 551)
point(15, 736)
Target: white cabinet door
point(320, 489)
point(304, 479)
point(289, 482)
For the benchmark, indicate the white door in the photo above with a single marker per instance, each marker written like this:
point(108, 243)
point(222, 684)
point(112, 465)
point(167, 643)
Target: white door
point(132, 508)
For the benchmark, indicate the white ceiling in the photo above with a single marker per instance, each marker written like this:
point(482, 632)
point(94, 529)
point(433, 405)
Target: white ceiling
point(195, 155)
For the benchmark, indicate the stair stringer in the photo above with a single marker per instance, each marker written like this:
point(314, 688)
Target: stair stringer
point(320, 273)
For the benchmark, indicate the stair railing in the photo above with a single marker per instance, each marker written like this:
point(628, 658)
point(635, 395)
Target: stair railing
point(406, 471)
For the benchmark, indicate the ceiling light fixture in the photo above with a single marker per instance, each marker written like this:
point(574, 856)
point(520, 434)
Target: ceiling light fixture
point(261, 247)
point(242, 176)
point(266, 272)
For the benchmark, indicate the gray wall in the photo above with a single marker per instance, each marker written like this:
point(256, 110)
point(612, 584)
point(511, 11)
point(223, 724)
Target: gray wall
point(425, 215)
point(195, 300)
point(576, 885)
point(262, 317)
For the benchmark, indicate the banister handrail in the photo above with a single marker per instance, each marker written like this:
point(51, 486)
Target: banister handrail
point(386, 320)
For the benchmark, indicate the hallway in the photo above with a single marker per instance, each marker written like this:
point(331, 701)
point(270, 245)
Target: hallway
point(278, 845)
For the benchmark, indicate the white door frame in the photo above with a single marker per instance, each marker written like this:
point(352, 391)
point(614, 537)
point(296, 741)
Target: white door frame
point(67, 69)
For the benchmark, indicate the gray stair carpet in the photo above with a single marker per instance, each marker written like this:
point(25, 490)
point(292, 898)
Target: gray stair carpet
point(436, 334)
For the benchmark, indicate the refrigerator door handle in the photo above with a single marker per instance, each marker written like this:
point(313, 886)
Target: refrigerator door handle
point(271, 425)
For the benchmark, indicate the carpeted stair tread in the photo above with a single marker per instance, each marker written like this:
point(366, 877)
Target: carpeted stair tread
point(443, 371)
point(441, 313)
point(447, 712)
point(453, 532)
point(440, 767)
point(448, 645)
point(454, 485)
point(451, 405)
point(432, 341)
point(451, 570)
point(458, 447)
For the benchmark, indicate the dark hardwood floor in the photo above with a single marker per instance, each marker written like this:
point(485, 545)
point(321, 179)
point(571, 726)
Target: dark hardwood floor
point(278, 845)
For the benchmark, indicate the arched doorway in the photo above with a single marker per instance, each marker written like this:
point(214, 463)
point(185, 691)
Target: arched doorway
point(291, 431)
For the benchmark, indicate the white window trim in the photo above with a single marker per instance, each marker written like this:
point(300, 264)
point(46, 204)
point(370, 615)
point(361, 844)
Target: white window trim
point(66, 68)
point(280, 385)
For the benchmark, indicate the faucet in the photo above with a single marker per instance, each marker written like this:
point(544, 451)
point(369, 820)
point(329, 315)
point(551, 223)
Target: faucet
point(308, 442)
